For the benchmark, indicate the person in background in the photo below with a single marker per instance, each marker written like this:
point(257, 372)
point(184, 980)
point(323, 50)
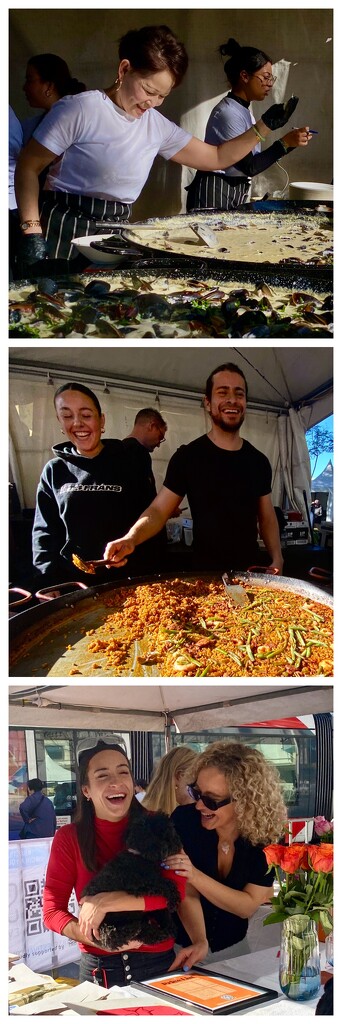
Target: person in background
point(238, 809)
point(228, 485)
point(100, 146)
point(106, 804)
point(249, 72)
point(169, 784)
point(15, 142)
point(140, 787)
point(148, 433)
point(63, 798)
point(317, 512)
point(47, 80)
point(37, 812)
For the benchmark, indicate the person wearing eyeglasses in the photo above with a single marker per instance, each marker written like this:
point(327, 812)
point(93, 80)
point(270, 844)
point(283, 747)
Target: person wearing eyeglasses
point(249, 72)
point(105, 807)
point(238, 810)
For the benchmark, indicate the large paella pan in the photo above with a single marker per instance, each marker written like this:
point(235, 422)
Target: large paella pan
point(180, 627)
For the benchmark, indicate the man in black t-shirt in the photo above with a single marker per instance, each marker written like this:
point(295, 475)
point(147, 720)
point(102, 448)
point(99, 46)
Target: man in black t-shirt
point(147, 434)
point(228, 485)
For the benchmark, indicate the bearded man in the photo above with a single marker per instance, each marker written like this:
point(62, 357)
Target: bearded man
point(228, 486)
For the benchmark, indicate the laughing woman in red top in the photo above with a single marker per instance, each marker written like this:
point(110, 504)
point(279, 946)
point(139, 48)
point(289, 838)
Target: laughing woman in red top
point(78, 852)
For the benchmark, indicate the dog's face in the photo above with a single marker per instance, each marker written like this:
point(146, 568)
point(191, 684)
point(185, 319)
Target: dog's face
point(153, 836)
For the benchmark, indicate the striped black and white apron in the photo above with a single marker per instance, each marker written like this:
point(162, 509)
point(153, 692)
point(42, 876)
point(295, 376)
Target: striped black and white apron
point(65, 216)
point(216, 191)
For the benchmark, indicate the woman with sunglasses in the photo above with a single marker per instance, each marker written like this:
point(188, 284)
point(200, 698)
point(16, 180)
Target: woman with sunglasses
point(106, 805)
point(249, 72)
point(238, 810)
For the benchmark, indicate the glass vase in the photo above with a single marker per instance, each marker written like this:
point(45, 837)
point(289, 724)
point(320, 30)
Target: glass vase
point(299, 969)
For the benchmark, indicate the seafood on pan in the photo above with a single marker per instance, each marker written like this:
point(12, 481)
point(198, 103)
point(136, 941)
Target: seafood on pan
point(189, 628)
point(275, 237)
point(142, 304)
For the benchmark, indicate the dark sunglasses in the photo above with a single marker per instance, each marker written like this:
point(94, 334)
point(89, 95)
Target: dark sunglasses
point(208, 801)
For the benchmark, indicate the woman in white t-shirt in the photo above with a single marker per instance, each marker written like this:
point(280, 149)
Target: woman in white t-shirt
point(103, 144)
point(249, 72)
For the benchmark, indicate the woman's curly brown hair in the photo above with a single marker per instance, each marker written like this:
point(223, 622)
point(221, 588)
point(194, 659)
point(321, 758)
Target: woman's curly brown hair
point(254, 784)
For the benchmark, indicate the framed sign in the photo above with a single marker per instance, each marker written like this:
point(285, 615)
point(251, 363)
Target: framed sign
point(212, 993)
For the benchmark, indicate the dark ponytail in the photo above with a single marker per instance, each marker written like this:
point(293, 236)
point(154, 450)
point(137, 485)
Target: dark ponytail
point(52, 68)
point(242, 58)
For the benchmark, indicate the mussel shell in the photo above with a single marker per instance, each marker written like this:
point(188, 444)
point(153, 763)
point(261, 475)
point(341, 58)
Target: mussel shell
point(97, 288)
point(149, 304)
point(47, 285)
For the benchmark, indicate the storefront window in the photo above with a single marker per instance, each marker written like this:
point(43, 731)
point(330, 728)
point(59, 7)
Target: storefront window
point(55, 766)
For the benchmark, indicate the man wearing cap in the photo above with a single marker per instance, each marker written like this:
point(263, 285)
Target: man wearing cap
point(228, 485)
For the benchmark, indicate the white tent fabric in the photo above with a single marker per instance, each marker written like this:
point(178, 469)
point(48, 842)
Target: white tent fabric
point(173, 380)
point(153, 708)
point(295, 460)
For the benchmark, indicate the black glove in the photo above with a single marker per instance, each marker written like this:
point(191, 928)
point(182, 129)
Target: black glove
point(33, 247)
point(278, 115)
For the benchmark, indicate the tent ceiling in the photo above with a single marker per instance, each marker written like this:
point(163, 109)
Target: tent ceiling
point(277, 377)
point(151, 708)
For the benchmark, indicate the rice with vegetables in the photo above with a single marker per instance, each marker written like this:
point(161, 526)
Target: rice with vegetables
point(190, 628)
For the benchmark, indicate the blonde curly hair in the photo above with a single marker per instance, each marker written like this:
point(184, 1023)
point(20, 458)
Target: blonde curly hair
point(161, 792)
point(254, 784)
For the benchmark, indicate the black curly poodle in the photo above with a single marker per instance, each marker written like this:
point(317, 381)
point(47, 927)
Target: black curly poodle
point(149, 839)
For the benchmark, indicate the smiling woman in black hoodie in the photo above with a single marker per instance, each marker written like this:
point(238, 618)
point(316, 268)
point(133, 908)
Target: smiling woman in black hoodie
point(82, 491)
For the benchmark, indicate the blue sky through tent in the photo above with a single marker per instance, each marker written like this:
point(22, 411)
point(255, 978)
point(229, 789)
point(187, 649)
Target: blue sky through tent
point(322, 461)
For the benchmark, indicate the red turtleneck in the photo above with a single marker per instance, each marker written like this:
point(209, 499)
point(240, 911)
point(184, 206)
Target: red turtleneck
point(66, 871)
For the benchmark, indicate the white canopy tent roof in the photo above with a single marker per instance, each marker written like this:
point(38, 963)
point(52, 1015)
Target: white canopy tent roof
point(155, 708)
point(290, 390)
point(277, 377)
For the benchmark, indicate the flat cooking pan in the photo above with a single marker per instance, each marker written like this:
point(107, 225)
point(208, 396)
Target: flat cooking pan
point(214, 219)
point(49, 639)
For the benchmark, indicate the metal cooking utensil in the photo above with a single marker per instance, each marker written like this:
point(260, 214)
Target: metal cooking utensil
point(236, 593)
point(206, 234)
point(91, 565)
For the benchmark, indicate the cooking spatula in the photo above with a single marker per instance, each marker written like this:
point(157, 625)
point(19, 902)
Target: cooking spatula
point(91, 565)
point(206, 234)
point(236, 593)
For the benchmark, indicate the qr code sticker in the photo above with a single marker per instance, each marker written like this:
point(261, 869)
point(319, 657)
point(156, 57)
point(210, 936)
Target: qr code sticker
point(33, 891)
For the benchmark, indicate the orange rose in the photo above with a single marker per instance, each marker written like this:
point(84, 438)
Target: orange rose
point(321, 857)
point(294, 857)
point(273, 854)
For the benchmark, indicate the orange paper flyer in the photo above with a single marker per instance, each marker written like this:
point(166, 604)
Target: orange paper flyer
point(208, 991)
